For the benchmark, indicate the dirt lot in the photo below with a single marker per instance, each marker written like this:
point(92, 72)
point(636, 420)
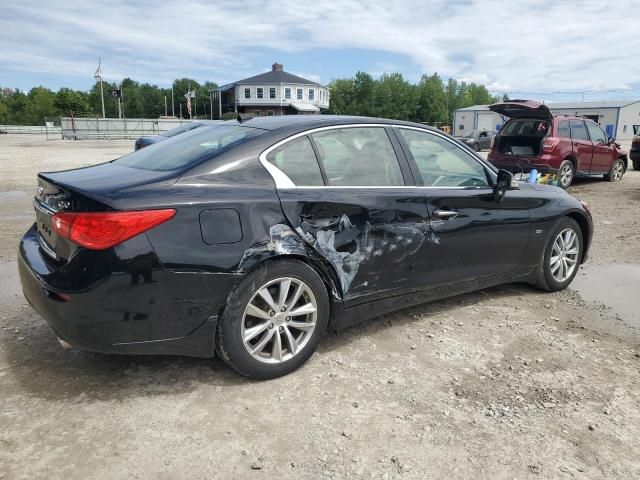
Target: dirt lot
point(504, 383)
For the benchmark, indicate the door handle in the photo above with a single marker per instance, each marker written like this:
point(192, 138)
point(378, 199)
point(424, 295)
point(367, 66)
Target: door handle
point(445, 214)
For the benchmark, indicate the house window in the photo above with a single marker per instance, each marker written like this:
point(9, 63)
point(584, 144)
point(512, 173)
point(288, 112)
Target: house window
point(247, 93)
point(272, 92)
point(311, 94)
point(256, 113)
point(269, 113)
point(259, 92)
point(299, 94)
point(287, 93)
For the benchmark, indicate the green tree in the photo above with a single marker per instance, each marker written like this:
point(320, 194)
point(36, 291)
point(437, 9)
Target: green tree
point(40, 104)
point(432, 99)
point(72, 103)
point(394, 97)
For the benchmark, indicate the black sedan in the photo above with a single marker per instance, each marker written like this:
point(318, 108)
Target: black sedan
point(252, 239)
point(187, 127)
point(478, 139)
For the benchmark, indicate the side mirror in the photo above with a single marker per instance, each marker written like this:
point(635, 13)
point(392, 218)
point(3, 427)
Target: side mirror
point(503, 183)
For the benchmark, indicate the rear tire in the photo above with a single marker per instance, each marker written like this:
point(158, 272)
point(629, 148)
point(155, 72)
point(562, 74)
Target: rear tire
point(566, 172)
point(266, 334)
point(616, 172)
point(561, 256)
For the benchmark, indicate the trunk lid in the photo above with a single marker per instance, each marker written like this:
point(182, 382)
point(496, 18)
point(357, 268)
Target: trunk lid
point(522, 109)
point(88, 189)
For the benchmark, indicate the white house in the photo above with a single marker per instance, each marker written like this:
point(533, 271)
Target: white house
point(272, 93)
point(619, 118)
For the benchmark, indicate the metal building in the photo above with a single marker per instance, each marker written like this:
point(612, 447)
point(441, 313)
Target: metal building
point(619, 118)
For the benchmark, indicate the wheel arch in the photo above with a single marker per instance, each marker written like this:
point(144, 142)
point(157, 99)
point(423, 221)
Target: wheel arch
point(324, 269)
point(583, 223)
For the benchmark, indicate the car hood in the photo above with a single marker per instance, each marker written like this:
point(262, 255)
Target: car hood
point(522, 109)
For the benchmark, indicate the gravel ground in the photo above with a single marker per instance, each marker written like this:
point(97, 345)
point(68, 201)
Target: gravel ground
point(508, 382)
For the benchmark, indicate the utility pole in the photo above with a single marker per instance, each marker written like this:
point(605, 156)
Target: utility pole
point(173, 113)
point(165, 105)
point(98, 77)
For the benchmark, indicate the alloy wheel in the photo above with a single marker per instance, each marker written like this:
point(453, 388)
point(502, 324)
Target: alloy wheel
point(566, 175)
point(279, 320)
point(618, 171)
point(564, 256)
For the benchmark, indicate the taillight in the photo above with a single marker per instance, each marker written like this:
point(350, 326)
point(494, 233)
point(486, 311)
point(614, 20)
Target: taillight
point(549, 143)
point(100, 230)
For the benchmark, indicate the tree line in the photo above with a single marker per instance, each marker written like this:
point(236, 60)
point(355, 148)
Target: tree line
point(431, 100)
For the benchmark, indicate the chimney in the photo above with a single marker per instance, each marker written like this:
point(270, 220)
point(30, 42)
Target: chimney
point(277, 67)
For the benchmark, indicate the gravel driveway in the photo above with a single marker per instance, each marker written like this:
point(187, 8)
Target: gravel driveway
point(508, 382)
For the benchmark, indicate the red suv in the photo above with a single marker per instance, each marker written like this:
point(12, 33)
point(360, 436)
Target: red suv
point(568, 145)
point(634, 153)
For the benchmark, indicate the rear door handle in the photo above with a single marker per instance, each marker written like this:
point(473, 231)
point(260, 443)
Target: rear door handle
point(445, 214)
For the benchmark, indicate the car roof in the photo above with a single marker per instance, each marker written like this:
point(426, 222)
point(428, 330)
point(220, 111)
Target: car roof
point(277, 122)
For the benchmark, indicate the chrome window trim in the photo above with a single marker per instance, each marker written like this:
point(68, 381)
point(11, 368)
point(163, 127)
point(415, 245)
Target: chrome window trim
point(283, 182)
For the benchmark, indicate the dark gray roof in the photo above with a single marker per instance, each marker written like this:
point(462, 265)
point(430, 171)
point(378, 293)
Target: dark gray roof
point(272, 77)
point(280, 121)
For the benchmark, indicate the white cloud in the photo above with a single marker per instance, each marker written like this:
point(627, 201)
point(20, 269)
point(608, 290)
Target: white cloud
point(550, 45)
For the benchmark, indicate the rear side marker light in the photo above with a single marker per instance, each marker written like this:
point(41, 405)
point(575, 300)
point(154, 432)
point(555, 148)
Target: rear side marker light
point(549, 143)
point(102, 230)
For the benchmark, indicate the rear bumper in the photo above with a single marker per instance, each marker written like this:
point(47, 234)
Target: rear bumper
point(120, 311)
point(634, 155)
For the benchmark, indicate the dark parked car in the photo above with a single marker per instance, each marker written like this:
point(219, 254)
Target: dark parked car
point(478, 139)
point(252, 239)
point(634, 153)
point(187, 127)
point(569, 145)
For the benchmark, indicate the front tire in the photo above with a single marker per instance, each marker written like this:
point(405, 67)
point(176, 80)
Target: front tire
point(561, 257)
point(273, 320)
point(616, 172)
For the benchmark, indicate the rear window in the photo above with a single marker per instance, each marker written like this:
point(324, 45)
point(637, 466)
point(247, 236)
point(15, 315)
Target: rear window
point(524, 127)
point(189, 148)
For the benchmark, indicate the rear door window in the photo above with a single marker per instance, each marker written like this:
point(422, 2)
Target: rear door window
point(578, 130)
point(358, 156)
point(298, 161)
point(596, 133)
point(442, 163)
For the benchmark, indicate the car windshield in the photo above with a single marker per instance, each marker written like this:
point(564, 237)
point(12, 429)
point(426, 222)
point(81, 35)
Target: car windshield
point(181, 129)
point(190, 148)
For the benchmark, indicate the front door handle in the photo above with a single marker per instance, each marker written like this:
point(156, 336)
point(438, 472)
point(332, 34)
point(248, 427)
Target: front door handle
point(445, 214)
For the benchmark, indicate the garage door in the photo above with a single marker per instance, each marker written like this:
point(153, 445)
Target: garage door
point(486, 121)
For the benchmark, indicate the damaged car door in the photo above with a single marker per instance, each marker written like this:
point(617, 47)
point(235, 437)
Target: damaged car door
point(355, 203)
point(475, 236)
